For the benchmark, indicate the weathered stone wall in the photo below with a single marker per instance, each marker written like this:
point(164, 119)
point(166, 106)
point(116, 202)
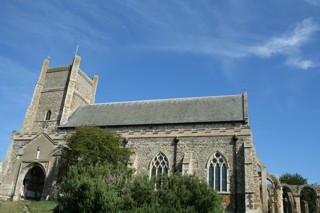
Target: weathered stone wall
point(84, 86)
point(83, 91)
point(56, 78)
point(32, 109)
point(200, 141)
point(51, 98)
point(7, 166)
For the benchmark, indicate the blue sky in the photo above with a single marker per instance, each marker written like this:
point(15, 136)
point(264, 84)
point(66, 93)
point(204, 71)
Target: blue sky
point(171, 49)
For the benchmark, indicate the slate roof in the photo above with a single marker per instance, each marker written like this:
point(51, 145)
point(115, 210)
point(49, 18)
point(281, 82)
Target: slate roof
point(167, 111)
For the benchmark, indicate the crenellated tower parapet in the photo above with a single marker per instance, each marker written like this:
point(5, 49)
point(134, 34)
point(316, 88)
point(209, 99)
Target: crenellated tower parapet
point(58, 92)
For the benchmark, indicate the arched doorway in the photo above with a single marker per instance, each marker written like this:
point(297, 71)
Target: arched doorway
point(33, 183)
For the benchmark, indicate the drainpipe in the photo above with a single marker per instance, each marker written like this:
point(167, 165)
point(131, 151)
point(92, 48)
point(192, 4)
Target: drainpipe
point(175, 145)
point(235, 139)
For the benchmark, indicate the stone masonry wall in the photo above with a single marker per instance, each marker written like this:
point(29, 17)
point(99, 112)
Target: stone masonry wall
point(21, 157)
point(83, 91)
point(51, 98)
point(200, 141)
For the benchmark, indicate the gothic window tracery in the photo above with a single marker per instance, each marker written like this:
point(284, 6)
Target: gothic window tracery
point(217, 172)
point(159, 165)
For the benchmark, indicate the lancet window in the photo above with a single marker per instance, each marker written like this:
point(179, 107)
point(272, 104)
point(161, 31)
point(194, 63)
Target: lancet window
point(217, 172)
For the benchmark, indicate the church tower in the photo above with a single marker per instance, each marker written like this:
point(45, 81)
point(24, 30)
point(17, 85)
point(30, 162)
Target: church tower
point(30, 168)
point(58, 92)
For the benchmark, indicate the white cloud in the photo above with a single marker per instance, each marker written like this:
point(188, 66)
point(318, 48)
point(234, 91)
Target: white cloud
point(289, 42)
point(290, 45)
point(301, 63)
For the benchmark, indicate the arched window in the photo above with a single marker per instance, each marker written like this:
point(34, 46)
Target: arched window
point(218, 173)
point(48, 115)
point(159, 165)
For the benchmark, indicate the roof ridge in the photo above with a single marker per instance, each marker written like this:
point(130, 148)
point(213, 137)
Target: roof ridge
point(164, 100)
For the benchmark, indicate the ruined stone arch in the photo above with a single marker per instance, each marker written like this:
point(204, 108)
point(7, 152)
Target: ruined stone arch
point(270, 186)
point(262, 167)
point(273, 179)
point(308, 198)
point(274, 194)
point(261, 186)
point(310, 187)
point(259, 169)
point(288, 199)
point(288, 188)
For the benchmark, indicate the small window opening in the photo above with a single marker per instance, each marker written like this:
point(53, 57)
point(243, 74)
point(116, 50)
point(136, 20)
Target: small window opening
point(48, 115)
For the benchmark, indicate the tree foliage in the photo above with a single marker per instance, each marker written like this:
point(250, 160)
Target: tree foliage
point(95, 188)
point(90, 145)
point(174, 193)
point(293, 179)
point(103, 188)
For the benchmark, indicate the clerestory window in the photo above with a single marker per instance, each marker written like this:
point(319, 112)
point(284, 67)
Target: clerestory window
point(217, 173)
point(159, 165)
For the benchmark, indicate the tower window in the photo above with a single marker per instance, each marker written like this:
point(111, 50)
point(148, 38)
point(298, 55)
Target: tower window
point(217, 173)
point(48, 115)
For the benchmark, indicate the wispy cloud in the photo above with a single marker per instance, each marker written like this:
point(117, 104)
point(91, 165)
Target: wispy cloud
point(313, 2)
point(222, 41)
point(290, 44)
point(301, 63)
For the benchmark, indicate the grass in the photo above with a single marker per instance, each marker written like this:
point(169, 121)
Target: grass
point(7, 207)
point(23, 206)
point(42, 206)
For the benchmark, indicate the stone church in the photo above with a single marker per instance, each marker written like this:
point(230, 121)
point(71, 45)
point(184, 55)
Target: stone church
point(209, 137)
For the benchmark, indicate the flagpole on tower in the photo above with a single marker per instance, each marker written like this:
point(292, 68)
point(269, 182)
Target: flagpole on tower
point(76, 50)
